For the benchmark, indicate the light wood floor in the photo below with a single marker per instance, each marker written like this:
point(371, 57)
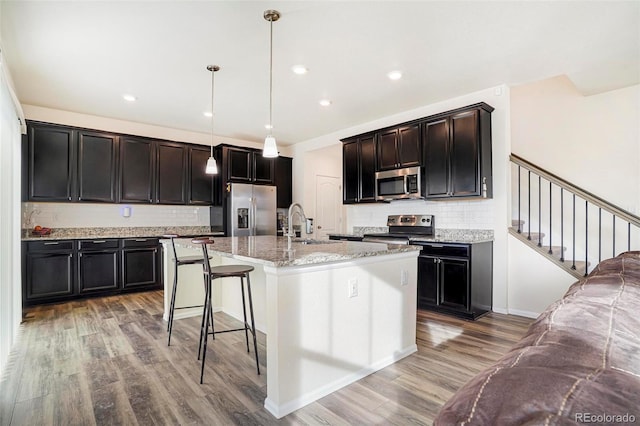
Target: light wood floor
point(106, 361)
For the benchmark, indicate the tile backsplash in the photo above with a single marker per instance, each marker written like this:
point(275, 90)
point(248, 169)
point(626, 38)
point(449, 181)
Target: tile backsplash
point(468, 214)
point(81, 215)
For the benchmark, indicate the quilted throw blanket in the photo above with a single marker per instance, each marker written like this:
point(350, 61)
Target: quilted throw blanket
point(578, 363)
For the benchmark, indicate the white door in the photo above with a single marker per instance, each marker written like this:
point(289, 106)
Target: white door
point(328, 206)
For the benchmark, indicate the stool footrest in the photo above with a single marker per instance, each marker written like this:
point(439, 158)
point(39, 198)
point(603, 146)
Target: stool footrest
point(187, 307)
point(234, 329)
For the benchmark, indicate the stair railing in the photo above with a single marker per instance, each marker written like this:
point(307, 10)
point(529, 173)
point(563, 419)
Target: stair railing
point(578, 195)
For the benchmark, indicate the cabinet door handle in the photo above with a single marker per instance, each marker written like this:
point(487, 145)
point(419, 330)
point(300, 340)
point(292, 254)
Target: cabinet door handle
point(141, 240)
point(436, 245)
point(99, 241)
point(51, 244)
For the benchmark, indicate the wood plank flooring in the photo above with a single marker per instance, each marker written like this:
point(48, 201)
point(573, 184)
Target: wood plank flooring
point(106, 361)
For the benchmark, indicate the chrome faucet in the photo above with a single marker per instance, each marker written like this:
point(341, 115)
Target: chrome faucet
point(290, 232)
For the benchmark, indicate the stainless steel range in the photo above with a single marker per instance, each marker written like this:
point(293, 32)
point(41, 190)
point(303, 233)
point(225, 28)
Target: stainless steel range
point(404, 229)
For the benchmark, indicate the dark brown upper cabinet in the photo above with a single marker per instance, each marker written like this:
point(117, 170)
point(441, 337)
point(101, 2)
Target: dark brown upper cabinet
point(97, 166)
point(399, 147)
point(137, 165)
point(201, 185)
point(171, 173)
point(282, 180)
point(359, 169)
point(457, 153)
point(51, 152)
point(245, 165)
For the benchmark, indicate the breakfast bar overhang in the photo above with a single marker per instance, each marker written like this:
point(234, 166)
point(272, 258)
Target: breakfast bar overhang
point(332, 312)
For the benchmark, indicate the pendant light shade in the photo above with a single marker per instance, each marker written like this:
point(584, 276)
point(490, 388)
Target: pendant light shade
point(270, 150)
point(212, 166)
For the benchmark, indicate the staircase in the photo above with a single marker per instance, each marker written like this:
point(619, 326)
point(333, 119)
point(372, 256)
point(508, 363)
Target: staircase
point(570, 226)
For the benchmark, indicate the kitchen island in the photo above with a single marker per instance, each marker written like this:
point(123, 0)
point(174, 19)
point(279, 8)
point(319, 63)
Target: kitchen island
point(332, 311)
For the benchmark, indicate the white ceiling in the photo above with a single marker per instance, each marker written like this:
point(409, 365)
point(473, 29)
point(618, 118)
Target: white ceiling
point(82, 56)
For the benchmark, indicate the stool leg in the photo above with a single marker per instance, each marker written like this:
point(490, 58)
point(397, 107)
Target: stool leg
point(244, 312)
point(207, 278)
point(205, 313)
point(253, 324)
point(173, 300)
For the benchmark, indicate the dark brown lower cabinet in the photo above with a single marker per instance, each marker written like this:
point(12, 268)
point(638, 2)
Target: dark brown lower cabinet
point(60, 270)
point(98, 265)
point(48, 270)
point(456, 278)
point(140, 262)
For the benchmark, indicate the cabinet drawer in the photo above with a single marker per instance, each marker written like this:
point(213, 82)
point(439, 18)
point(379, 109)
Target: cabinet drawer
point(455, 250)
point(53, 245)
point(85, 245)
point(140, 242)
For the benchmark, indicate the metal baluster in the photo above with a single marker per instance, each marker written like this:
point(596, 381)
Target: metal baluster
point(586, 237)
point(529, 205)
point(519, 222)
point(550, 216)
point(599, 234)
point(561, 224)
point(573, 266)
point(614, 236)
point(539, 211)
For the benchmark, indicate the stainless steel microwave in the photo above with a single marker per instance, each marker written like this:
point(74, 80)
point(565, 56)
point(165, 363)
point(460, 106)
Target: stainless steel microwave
point(398, 184)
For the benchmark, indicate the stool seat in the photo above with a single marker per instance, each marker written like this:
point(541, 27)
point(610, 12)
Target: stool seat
point(190, 260)
point(230, 270)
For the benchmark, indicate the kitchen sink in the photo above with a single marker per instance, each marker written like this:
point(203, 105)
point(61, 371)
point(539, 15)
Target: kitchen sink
point(312, 241)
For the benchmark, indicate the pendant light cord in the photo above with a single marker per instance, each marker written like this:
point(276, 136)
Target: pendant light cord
point(213, 72)
point(271, 76)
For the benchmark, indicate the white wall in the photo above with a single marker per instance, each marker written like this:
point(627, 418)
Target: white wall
point(486, 214)
point(591, 141)
point(10, 271)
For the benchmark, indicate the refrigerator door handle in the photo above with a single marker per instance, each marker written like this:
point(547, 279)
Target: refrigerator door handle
point(252, 216)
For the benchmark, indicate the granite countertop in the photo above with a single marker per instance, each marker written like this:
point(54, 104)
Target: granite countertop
point(118, 232)
point(271, 250)
point(465, 236)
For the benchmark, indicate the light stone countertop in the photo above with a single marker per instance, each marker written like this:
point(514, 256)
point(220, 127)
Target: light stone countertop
point(117, 232)
point(271, 250)
point(463, 236)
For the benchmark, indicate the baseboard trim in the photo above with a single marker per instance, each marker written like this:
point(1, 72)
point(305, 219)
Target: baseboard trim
point(521, 313)
point(279, 411)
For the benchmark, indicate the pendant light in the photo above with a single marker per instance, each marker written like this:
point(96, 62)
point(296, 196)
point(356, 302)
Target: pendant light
point(270, 149)
point(212, 166)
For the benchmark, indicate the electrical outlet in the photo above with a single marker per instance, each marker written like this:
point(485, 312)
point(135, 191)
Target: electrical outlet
point(352, 287)
point(404, 277)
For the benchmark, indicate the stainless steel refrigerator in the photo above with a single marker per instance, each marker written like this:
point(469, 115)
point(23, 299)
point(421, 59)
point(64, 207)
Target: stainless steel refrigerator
point(251, 210)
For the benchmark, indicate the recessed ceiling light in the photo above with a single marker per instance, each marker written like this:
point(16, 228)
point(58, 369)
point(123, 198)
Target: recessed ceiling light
point(325, 102)
point(395, 75)
point(268, 126)
point(300, 69)
point(207, 114)
point(129, 98)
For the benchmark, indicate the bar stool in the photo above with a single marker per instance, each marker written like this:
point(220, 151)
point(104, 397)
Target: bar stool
point(225, 271)
point(179, 261)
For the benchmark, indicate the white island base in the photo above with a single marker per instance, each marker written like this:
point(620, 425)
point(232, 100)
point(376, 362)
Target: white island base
point(320, 337)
